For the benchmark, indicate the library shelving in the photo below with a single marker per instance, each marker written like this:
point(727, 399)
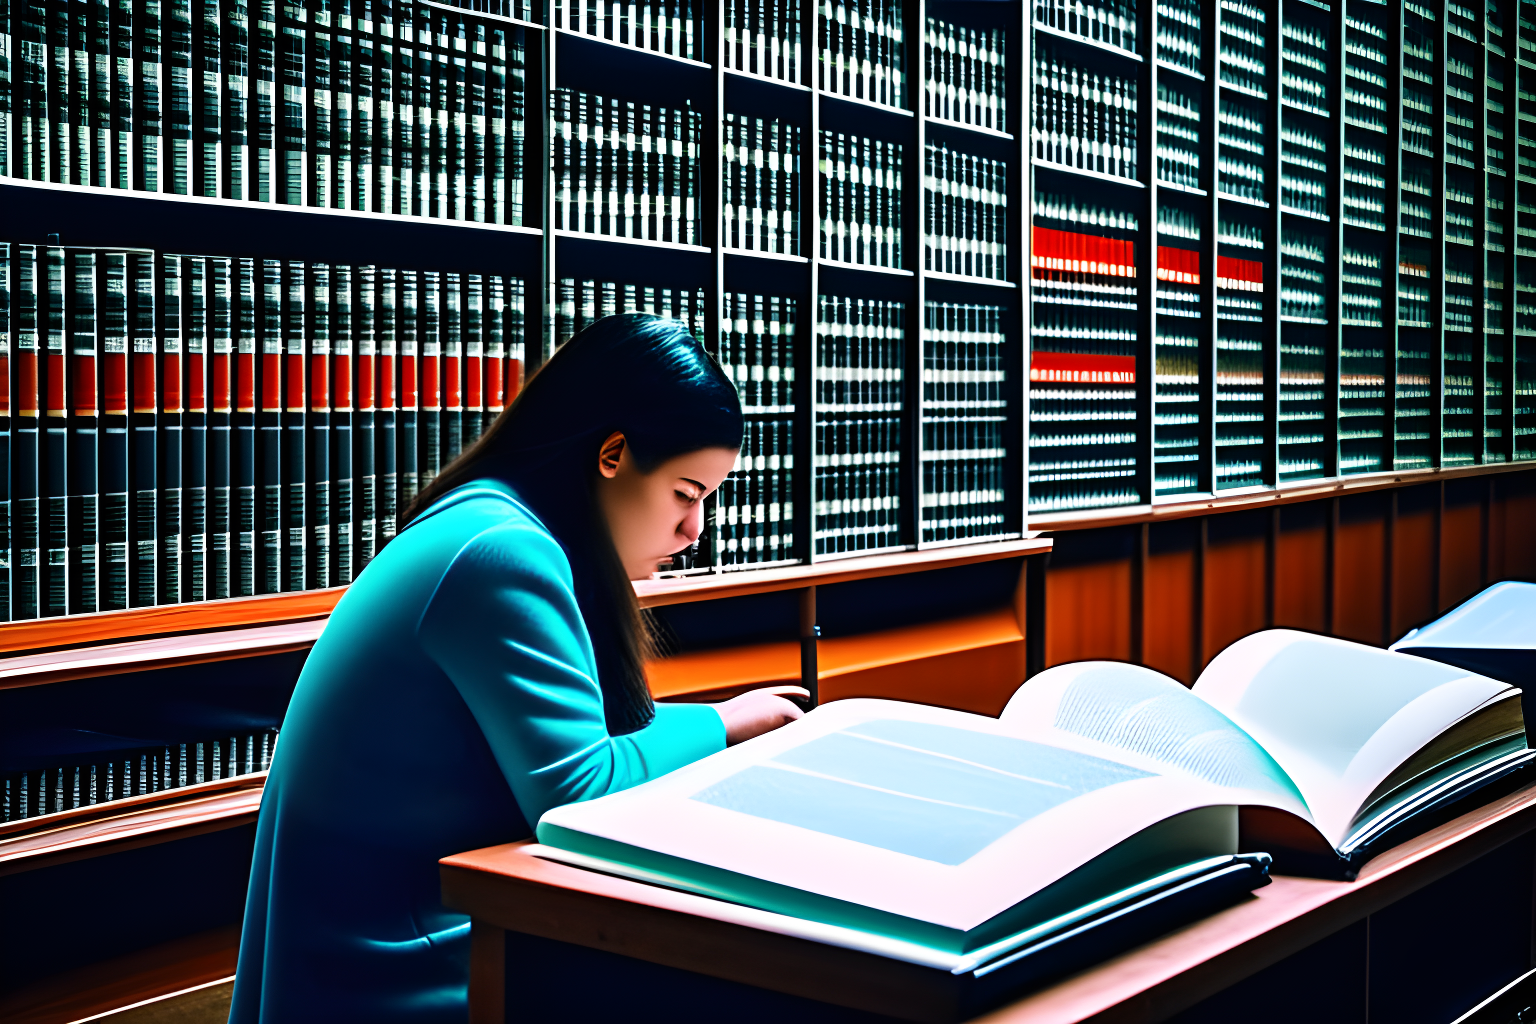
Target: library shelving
point(1266, 244)
point(1284, 238)
point(273, 266)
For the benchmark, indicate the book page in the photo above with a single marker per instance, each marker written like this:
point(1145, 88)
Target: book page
point(941, 818)
point(1152, 721)
point(1339, 717)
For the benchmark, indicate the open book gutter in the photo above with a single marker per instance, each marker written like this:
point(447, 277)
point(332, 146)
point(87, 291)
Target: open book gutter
point(1070, 941)
point(1420, 814)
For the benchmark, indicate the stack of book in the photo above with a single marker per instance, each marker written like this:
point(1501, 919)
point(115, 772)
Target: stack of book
point(97, 777)
point(964, 81)
point(1084, 119)
point(1082, 368)
point(863, 52)
point(580, 303)
point(965, 422)
point(967, 205)
point(859, 410)
point(184, 428)
point(403, 108)
point(673, 27)
point(753, 517)
point(762, 37)
point(626, 169)
point(860, 200)
point(760, 197)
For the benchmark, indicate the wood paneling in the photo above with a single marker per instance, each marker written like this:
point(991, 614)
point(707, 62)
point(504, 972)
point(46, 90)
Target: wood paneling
point(1301, 569)
point(1359, 559)
point(724, 672)
point(1235, 581)
point(147, 974)
point(1413, 567)
point(1515, 514)
point(1461, 544)
point(1088, 612)
point(971, 664)
point(1168, 609)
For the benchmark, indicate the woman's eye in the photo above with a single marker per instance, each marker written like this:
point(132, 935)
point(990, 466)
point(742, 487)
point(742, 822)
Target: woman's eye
point(685, 497)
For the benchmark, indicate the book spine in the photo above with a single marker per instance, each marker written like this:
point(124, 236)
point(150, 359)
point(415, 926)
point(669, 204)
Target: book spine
point(475, 318)
point(270, 455)
point(85, 274)
point(220, 421)
point(407, 390)
point(236, 98)
point(344, 423)
point(365, 417)
point(208, 130)
point(387, 462)
point(113, 318)
point(196, 330)
point(315, 528)
point(293, 492)
point(245, 295)
point(171, 437)
point(262, 183)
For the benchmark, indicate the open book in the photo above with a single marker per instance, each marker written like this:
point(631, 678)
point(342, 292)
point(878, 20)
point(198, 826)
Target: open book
point(1332, 749)
point(950, 831)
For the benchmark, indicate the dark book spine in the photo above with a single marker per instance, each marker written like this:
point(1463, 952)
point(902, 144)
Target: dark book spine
point(115, 312)
point(143, 461)
point(220, 414)
point(245, 296)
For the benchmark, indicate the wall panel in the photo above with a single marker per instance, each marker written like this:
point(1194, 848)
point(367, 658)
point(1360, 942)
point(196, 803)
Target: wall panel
point(1235, 580)
point(1301, 567)
point(1170, 591)
point(1413, 565)
point(1461, 541)
point(1359, 559)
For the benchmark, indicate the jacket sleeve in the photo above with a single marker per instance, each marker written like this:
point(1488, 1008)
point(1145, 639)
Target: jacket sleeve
point(505, 627)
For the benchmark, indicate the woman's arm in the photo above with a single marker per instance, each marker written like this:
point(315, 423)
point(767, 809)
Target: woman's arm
point(505, 627)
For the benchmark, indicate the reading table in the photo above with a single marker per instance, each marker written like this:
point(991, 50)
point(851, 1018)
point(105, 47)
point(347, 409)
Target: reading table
point(1449, 908)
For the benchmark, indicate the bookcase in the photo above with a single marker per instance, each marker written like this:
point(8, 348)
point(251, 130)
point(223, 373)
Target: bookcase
point(267, 268)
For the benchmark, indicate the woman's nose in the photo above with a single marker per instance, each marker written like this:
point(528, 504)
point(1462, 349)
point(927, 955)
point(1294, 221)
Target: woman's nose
point(693, 523)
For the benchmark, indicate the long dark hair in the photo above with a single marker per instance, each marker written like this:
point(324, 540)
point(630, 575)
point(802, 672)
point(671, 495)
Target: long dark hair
point(637, 374)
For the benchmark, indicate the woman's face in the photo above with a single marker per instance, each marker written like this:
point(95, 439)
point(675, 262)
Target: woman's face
point(653, 515)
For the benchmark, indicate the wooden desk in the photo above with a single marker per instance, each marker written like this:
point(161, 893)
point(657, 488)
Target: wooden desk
point(505, 889)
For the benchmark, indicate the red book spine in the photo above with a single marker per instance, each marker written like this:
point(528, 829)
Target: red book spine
point(453, 389)
point(341, 399)
point(1074, 368)
point(408, 396)
point(144, 375)
point(85, 384)
point(197, 398)
point(55, 382)
point(5, 382)
point(387, 397)
point(218, 378)
point(26, 380)
point(474, 383)
point(495, 373)
point(245, 381)
point(114, 376)
point(365, 386)
point(319, 381)
point(272, 381)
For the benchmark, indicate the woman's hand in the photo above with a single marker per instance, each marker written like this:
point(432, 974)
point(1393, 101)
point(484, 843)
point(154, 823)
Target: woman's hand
point(756, 712)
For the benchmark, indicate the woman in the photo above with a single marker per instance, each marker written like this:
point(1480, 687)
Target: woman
point(487, 666)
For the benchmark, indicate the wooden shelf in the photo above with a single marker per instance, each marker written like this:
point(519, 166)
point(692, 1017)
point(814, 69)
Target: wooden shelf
point(1300, 490)
point(686, 589)
point(124, 825)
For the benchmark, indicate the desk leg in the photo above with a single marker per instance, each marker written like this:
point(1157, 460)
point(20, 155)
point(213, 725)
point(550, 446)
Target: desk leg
point(487, 974)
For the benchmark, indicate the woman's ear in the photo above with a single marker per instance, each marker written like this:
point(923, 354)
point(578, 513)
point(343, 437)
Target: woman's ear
point(609, 454)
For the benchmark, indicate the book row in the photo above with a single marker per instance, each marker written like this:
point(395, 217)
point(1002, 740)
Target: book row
point(753, 515)
point(967, 229)
point(965, 420)
point(965, 76)
point(673, 27)
point(760, 203)
point(185, 428)
point(860, 200)
point(1084, 120)
point(862, 52)
point(626, 169)
point(1113, 23)
point(125, 773)
point(581, 302)
point(762, 37)
point(860, 346)
point(382, 107)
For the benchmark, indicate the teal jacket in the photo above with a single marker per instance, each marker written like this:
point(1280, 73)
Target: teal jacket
point(451, 700)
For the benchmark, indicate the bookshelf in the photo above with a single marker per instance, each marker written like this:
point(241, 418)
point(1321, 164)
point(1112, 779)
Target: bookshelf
point(1222, 201)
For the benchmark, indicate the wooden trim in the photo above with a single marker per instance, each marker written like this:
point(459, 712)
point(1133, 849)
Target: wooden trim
point(164, 652)
point(510, 887)
point(201, 960)
point(114, 808)
point(687, 589)
point(132, 828)
point(1307, 490)
point(170, 620)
